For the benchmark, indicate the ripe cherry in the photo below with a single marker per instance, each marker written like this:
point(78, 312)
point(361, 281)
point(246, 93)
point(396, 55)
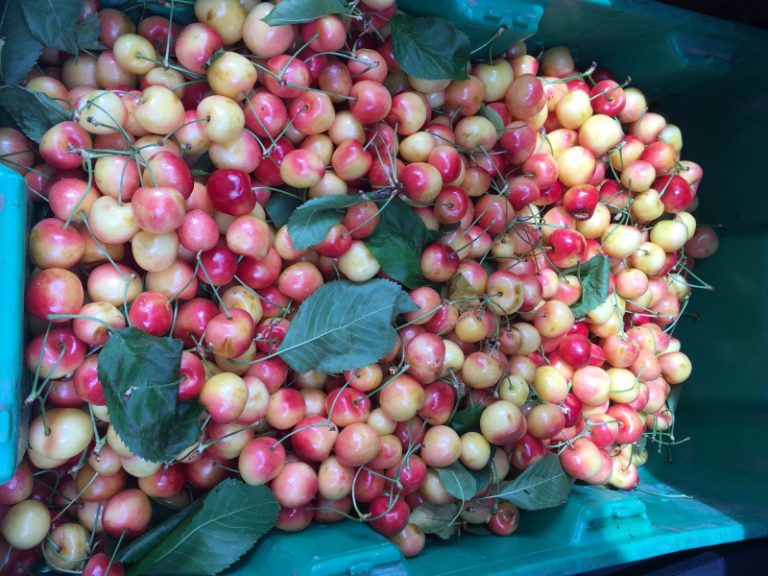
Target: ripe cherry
point(230, 192)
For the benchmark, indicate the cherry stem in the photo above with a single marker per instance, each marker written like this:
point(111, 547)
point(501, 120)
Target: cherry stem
point(586, 74)
point(104, 251)
point(4, 160)
point(80, 200)
point(671, 328)
point(116, 125)
point(402, 370)
point(205, 445)
point(115, 551)
point(259, 296)
point(215, 290)
point(331, 427)
point(36, 391)
point(77, 497)
point(181, 290)
point(188, 83)
point(496, 35)
point(104, 323)
point(372, 216)
point(333, 404)
point(168, 65)
point(99, 440)
point(172, 132)
point(167, 50)
point(295, 55)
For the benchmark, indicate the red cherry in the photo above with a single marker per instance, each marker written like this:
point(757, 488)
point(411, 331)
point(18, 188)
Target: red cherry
point(575, 350)
point(676, 194)
point(607, 98)
point(389, 519)
point(230, 191)
point(581, 201)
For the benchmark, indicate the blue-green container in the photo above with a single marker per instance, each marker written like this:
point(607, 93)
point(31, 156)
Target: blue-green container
point(709, 77)
point(13, 222)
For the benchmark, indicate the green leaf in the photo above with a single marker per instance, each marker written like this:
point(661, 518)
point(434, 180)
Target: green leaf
point(280, 206)
point(203, 166)
point(33, 112)
point(298, 11)
point(482, 478)
point(494, 118)
point(544, 484)
point(457, 481)
point(140, 375)
point(54, 23)
point(343, 326)
point(87, 33)
point(478, 529)
point(595, 276)
point(468, 419)
point(430, 47)
point(140, 547)
point(20, 50)
point(233, 517)
point(311, 221)
point(461, 290)
point(435, 519)
point(398, 241)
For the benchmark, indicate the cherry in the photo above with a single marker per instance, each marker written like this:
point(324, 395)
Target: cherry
point(581, 201)
point(522, 191)
point(230, 191)
point(607, 97)
point(525, 96)
point(97, 566)
point(675, 192)
point(151, 313)
point(192, 376)
point(505, 520)
point(261, 460)
point(389, 518)
point(217, 265)
point(192, 318)
point(575, 349)
point(568, 247)
point(230, 335)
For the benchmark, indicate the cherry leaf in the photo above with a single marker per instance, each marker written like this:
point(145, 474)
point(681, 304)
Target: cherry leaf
point(140, 375)
point(140, 547)
point(429, 47)
point(494, 118)
point(398, 241)
point(435, 519)
point(298, 11)
point(343, 326)
point(468, 419)
point(280, 206)
point(310, 222)
point(87, 33)
point(595, 276)
point(544, 484)
point(54, 23)
point(231, 520)
point(20, 49)
point(457, 481)
point(33, 112)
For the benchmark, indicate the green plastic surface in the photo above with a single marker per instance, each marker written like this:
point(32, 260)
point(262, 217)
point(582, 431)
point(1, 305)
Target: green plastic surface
point(13, 203)
point(708, 77)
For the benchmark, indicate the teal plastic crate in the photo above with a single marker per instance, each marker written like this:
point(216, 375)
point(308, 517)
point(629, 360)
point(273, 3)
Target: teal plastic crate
point(13, 220)
point(708, 77)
